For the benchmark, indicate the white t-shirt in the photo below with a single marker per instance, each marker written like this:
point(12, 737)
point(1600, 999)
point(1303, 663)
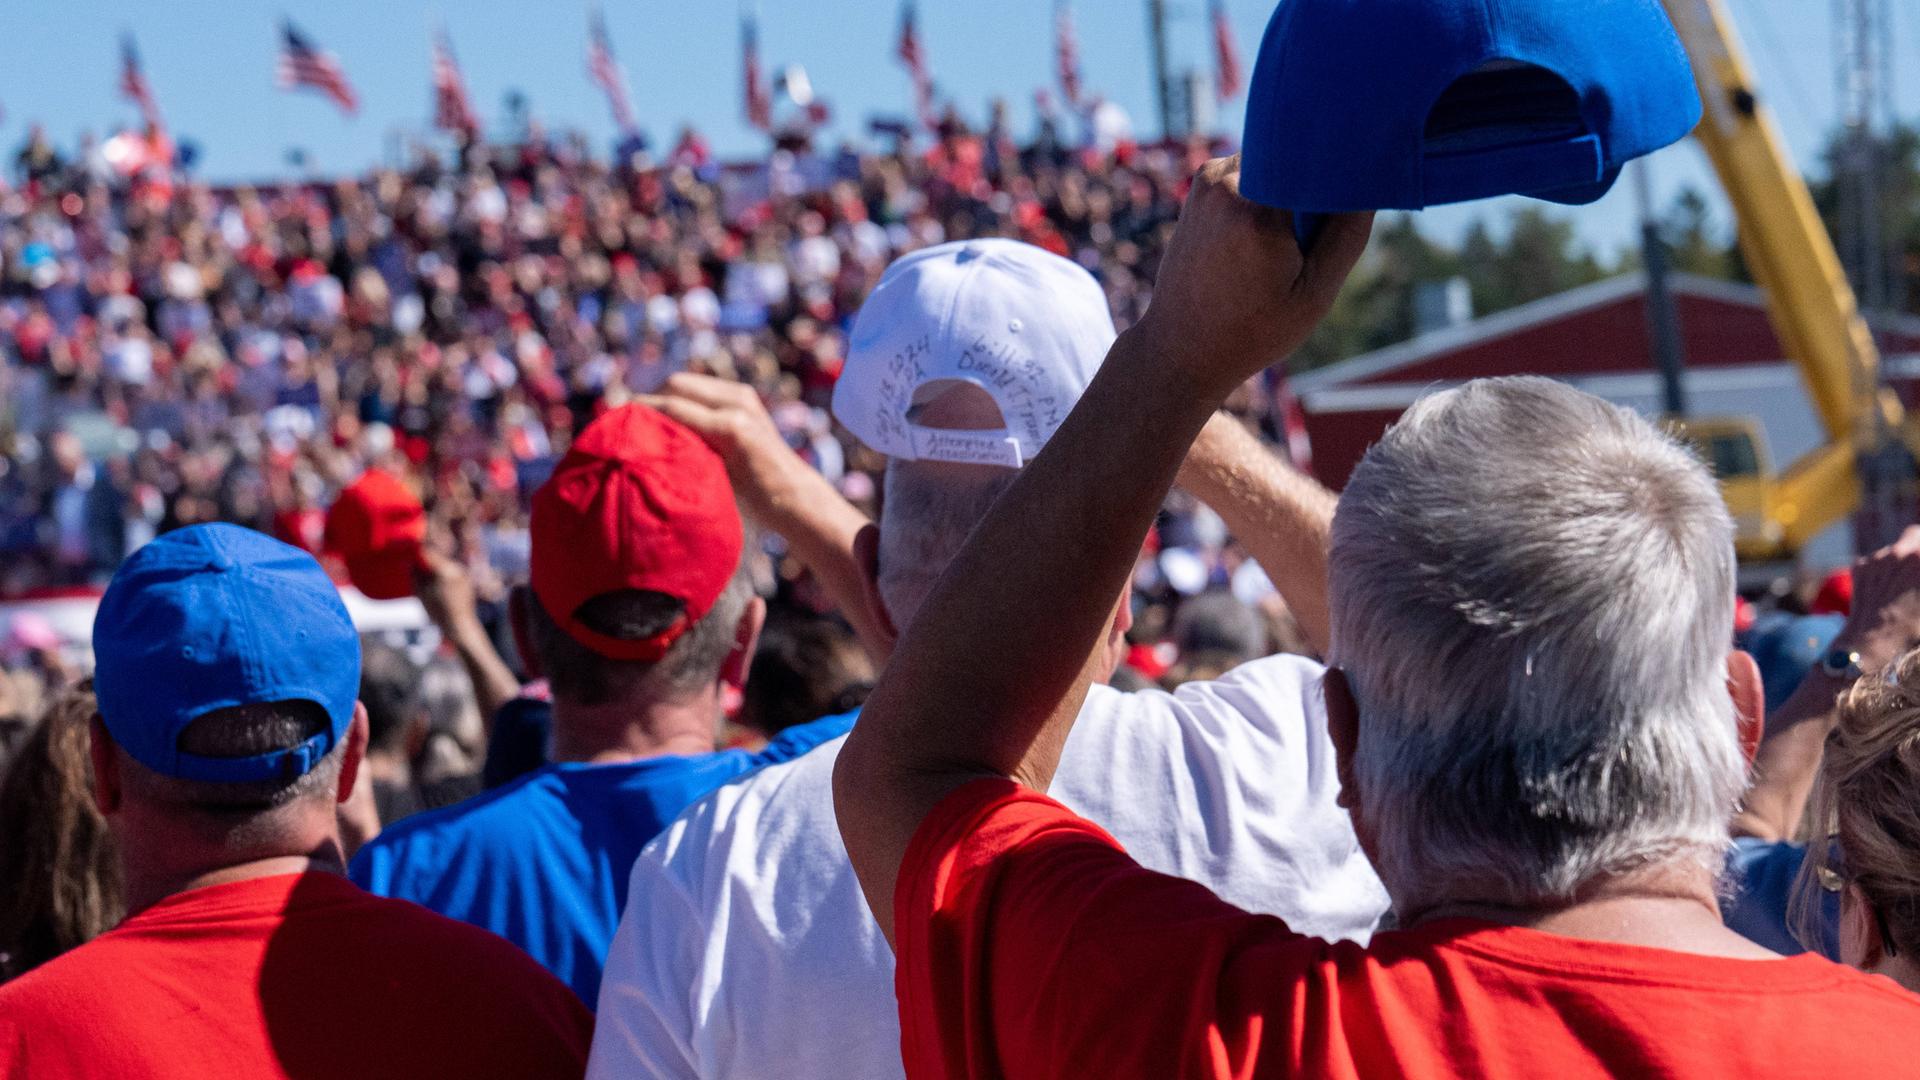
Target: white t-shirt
point(746, 949)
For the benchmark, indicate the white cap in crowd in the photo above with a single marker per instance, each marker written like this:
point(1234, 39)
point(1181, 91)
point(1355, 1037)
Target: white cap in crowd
point(1027, 326)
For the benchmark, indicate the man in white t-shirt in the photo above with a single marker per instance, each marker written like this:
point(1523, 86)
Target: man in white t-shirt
point(746, 948)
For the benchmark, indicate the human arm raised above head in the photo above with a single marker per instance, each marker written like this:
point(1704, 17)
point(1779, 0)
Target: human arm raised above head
point(446, 591)
point(989, 677)
point(1283, 517)
point(1885, 623)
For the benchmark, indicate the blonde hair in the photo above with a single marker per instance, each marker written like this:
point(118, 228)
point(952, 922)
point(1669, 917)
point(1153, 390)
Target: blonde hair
point(1867, 798)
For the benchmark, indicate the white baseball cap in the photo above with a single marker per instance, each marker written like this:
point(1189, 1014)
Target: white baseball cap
point(1027, 326)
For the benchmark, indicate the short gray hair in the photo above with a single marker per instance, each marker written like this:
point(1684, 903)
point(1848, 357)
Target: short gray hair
point(579, 675)
point(927, 511)
point(1532, 596)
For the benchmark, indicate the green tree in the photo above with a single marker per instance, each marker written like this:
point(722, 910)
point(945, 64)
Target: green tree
point(1376, 309)
point(1692, 246)
point(1539, 258)
point(1896, 154)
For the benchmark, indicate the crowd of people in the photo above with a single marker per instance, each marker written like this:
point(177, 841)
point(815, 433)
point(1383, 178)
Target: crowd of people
point(178, 353)
point(873, 641)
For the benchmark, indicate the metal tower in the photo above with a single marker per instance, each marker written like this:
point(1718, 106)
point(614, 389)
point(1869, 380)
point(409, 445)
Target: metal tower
point(1864, 47)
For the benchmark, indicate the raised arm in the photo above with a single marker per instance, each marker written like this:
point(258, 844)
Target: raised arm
point(780, 492)
point(1885, 624)
point(446, 590)
point(989, 677)
point(1283, 517)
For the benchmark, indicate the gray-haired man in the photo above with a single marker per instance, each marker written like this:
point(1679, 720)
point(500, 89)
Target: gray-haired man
point(1540, 722)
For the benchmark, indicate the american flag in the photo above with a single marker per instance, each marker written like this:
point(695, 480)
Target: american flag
point(759, 95)
point(1067, 52)
point(133, 84)
point(452, 108)
point(605, 71)
point(914, 55)
point(302, 64)
point(1228, 76)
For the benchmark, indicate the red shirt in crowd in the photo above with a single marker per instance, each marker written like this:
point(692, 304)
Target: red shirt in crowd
point(298, 975)
point(1030, 945)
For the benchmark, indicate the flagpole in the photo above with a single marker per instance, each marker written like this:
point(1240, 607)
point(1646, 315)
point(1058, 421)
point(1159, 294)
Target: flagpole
point(1163, 82)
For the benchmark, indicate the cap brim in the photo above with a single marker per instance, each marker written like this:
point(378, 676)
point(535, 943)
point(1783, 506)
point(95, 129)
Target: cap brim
point(1581, 194)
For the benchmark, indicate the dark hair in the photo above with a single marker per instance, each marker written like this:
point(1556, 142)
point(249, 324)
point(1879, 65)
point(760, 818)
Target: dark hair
point(808, 666)
point(57, 858)
point(579, 675)
point(1216, 622)
point(390, 689)
point(242, 731)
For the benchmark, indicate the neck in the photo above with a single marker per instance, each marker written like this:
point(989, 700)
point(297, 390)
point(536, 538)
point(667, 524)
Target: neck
point(1900, 969)
point(627, 731)
point(1671, 906)
point(148, 884)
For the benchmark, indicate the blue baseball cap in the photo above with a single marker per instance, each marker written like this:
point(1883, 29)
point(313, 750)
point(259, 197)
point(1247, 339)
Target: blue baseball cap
point(214, 616)
point(1788, 647)
point(1403, 104)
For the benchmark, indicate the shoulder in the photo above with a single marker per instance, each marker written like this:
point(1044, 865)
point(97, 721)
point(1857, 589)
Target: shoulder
point(749, 824)
point(1275, 694)
point(752, 877)
point(44, 995)
point(801, 739)
point(475, 973)
point(499, 814)
point(451, 946)
point(1260, 714)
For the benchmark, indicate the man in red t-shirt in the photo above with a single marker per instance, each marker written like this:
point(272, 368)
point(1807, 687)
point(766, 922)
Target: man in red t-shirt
point(1538, 723)
point(228, 730)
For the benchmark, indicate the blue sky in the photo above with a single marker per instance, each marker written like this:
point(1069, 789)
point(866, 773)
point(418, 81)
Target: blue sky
point(211, 64)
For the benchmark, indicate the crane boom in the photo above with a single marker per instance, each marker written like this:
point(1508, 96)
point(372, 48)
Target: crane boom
point(1812, 306)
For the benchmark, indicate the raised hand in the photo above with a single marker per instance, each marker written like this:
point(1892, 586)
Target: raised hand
point(1235, 292)
point(1885, 622)
point(730, 418)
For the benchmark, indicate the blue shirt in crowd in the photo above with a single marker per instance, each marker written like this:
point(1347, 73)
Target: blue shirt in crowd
point(1761, 878)
point(544, 861)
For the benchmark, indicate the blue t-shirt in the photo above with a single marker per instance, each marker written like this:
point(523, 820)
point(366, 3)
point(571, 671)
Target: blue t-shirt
point(544, 861)
point(1762, 875)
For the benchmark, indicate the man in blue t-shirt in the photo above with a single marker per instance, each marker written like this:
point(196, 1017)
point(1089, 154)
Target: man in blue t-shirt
point(640, 618)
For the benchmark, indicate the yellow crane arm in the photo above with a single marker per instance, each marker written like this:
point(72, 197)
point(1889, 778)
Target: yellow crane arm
point(1786, 245)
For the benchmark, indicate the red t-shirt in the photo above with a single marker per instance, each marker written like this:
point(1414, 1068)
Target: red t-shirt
point(298, 975)
point(1030, 945)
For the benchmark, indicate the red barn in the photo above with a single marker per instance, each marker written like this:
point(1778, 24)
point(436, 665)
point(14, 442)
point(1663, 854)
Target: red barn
point(1594, 337)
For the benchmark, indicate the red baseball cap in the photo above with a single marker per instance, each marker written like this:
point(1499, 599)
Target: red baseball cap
point(378, 528)
point(639, 502)
point(1836, 594)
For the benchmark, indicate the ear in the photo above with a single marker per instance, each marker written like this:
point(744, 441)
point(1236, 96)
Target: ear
point(1749, 701)
point(520, 621)
point(106, 767)
point(355, 753)
point(1115, 652)
point(866, 553)
point(746, 635)
point(1343, 728)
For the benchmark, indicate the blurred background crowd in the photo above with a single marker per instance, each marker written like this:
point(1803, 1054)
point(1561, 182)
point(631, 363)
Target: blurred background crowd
point(173, 352)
